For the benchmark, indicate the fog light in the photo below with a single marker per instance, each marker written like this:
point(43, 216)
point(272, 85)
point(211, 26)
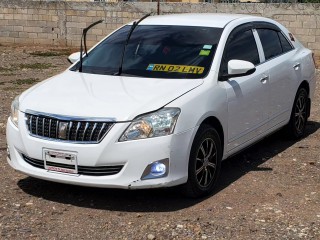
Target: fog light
point(8, 152)
point(156, 169)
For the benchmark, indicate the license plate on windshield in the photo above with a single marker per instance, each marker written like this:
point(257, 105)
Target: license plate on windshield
point(60, 161)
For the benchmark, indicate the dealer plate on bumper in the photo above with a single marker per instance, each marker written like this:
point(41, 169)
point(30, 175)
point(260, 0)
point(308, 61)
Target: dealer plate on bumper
point(60, 161)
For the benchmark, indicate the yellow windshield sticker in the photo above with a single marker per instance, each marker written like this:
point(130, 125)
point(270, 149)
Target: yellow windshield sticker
point(204, 53)
point(175, 68)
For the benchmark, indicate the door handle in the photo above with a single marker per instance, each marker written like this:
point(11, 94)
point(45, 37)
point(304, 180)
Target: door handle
point(264, 79)
point(296, 66)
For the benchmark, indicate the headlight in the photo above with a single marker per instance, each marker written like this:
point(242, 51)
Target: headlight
point(15, 111)
point(156, 124)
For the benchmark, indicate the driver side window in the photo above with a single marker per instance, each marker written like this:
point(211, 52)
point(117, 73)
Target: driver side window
point(240, 46)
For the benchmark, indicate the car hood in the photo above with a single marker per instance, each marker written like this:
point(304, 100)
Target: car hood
point(102, 96)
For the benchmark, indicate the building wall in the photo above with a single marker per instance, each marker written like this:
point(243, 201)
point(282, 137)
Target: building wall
point(61, 22)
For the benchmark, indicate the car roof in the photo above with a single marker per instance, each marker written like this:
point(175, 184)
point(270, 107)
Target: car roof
point(218, 20)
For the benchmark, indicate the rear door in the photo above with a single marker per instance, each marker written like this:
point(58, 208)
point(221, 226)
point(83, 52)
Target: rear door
point(247, 96)
point(284, 71)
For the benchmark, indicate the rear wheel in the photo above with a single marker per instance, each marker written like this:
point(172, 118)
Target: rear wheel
point(204, 163)
point(299, 115)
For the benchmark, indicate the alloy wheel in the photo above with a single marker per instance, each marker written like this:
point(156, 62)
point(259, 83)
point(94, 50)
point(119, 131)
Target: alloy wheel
point(206, 162)
point(300, 113)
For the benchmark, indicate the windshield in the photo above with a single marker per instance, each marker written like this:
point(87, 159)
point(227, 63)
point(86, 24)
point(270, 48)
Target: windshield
point(156, 51)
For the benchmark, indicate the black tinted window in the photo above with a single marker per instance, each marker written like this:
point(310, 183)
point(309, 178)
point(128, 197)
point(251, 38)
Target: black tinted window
point(241, 46)
point(286, 46)
point(270, 43)
point(156, 51)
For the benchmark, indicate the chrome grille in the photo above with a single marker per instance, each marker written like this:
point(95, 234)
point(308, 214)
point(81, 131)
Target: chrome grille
point(67, 130)
point(83, 170)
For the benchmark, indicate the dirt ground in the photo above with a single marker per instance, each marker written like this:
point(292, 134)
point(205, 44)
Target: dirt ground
point(270, 191)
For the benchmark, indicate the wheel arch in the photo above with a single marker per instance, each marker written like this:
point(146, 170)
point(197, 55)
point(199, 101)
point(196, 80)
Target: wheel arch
point(305, 84)
point(215, 123)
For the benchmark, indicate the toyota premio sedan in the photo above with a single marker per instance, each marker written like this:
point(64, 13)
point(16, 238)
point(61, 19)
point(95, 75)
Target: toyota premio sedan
point(162, 101)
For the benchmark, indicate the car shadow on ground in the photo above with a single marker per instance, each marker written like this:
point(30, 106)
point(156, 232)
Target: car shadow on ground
point(161, 200)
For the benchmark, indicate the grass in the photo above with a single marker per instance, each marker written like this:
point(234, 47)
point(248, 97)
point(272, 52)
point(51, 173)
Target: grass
point(45, 54)
point(52, 53)
point(65, 51)
point(8, 74)
point(4, 69)
point(28, 81)
point(10, 89)
point(36, 65)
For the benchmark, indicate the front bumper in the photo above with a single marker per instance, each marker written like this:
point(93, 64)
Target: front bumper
point(135, 156)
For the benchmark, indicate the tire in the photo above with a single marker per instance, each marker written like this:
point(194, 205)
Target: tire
point(299, 115)
point(204, 163)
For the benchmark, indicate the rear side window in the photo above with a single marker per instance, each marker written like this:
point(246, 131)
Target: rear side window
point(241, 46)
point(270, 42)
point(286, 46)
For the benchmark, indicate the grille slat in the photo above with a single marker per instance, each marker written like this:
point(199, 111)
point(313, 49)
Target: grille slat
point(30, 123)
point(94, 128)
point(50, 121)
point(85, 130)
point(83, 170)
point(77, 130)
point(101, 130)
point(72, 131)
point(69, 131)
point(43, 122)
point(57, 129)
point(37, 118)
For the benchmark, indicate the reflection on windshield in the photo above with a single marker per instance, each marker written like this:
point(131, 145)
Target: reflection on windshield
point(156, 51)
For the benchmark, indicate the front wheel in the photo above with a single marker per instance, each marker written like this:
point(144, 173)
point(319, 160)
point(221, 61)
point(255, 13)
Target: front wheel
point(299, 115)
point(204, 163)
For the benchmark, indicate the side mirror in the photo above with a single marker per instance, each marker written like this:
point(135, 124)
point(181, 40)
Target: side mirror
point(238, 68)
point(74, 57)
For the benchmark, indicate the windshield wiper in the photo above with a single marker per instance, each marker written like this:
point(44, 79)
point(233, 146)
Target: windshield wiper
point(84, 40)
point(127, 41)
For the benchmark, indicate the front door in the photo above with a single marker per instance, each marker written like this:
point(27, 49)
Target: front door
point(247, 96)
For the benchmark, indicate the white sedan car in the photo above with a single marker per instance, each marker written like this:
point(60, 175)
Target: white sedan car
point(161, 102)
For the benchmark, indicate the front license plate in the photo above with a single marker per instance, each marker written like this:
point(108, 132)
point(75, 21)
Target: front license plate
point(60, 161)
